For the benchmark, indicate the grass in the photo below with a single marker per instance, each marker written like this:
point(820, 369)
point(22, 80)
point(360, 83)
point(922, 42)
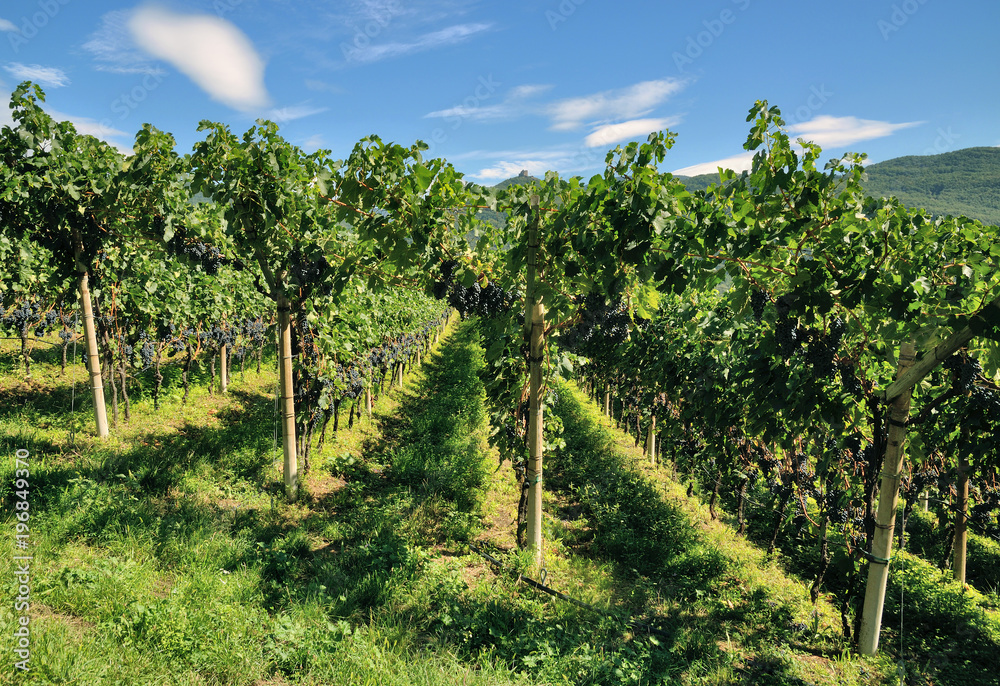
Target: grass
point(167, 554)
point(734, 616)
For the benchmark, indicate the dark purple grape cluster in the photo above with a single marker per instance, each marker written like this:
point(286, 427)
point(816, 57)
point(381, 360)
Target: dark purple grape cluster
point(758, 300)
point(24, 317)
point(849, 380)
point(208, 256)
point(486, 302)
point(786, 335)
point(304, 271)
point(600, 325)
point(964, 368)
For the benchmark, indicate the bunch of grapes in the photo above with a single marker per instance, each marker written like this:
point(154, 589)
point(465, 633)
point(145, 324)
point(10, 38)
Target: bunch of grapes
point(599, 323)
point(982, 408)
point(208, 256)
point(849, 380)
point(483, 302)
point(351, 379)
point(786, 334)
point(443, 286)
point(24, 317)
point(965, 368)
point(758, 300)
point(304, 271)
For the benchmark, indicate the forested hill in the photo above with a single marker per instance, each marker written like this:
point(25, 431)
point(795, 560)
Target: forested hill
point(964, 182)
point(961, 182)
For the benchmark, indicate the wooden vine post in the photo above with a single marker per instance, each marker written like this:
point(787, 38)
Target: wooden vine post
point(961, 512)
point(224, 369)
point(651, 439)
point(287, 396)
point(90, 337)
point(888, 499)
point(534, 329)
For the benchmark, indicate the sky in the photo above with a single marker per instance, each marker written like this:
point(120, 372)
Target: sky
point(497, 87)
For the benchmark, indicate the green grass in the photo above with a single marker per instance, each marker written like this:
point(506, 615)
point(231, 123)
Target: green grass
point(733, 615)
point(168, 554)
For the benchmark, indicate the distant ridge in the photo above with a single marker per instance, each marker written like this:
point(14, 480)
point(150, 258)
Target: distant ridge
point(963, 182)
point(521, 179)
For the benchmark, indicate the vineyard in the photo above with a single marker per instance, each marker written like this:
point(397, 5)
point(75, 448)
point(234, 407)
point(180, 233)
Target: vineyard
point(294, 419)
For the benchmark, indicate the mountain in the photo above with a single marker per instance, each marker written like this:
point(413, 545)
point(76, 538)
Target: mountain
point(963, 182)
point(521, 179)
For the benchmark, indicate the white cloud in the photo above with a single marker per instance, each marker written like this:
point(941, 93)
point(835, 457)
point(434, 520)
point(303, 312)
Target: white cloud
point(737, 163)
point(211, 51)
point(610, 134)
point(837, 132)
point(436, 39)
point(568, 159)
point(6, 25)
point(621, 104)
point(512, 105)
point(293, 112)
point(314, 142)
point(505, 170)
point(323, 87)
point(115, 50)
point(826, 131)
point(91, 127)
point(46, 76)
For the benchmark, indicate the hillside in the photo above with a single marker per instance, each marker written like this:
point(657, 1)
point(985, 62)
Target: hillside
point(961, 182)
point(964, 182)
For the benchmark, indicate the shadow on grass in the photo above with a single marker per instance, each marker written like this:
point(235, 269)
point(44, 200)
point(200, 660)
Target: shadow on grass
point(656, 552)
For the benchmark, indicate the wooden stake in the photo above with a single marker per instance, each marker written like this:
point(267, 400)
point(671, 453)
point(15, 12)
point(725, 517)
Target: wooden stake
point(90, 337)
point(892, 465)
point(961, 513)
point(534, 332)
point(291, 469)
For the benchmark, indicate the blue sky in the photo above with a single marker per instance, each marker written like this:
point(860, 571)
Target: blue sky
point(496, 87)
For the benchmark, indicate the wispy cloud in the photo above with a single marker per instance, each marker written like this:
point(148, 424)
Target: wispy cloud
point(323, 87)
point(738, 163)
point(114, 48)
point(314, 142)
point(293, 112)
point(837, 132)
point(211, 51)
point(610, 134)
point(6, 25)
point(428, 41)
point(505, 170)
point(567, 159)
point(46, 76)
point(623, 104)
point(92, 127)
point(826, 131)
point(514, 104)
